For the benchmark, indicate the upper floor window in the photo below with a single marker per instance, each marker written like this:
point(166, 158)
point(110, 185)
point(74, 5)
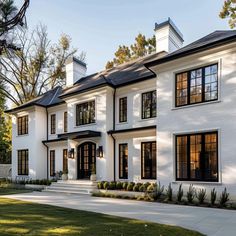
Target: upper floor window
point(123, 109)
point(197, 157)
point(196, 86)
point(23, 162)
point(85, 113)
point(22, 125)
point(53, 123)
point(149, 105)
point(65, 121)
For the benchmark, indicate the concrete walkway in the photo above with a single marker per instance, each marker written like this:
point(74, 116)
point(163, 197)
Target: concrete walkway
point(205, 220)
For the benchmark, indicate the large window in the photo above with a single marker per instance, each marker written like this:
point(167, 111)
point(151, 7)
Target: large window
point(53, 123)
point(23, 162)
point(196, 86)
point(123, 161)
point(149, 105)
point(148, 160)
point(22, 125)
point(65, 121)
point(85, 113)
point(65, 160)
point(52, 162)
point(123, 109)
point(197, 157)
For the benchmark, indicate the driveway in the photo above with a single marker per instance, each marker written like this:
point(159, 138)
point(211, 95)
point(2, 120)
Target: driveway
point(205, 220)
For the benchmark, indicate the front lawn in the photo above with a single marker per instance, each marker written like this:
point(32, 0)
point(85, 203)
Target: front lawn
point(6, 191)
point(23, 218)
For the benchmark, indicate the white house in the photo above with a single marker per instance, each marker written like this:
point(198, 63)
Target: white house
point(167, 117)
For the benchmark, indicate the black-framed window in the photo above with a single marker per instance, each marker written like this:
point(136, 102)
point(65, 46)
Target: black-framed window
point(123, 109)
point(123, 161)
point(22, 125)
point(197, 157)
point(23, 162)
point(65, 160)
point(149, 109)
point(52, 162)
point(148, 160)
point(53, 123)
point(65, 122)
point(85, 113)
point(197, 86)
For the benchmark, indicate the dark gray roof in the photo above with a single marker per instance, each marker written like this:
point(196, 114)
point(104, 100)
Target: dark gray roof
point(131, 72)
point(212, 40)
point(127, 73)
point(50, 98)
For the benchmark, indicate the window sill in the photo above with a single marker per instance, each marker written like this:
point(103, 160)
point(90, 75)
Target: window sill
point(194, 105)
point(122, 123)
point(147, 119)
point(196, 182)
point(78, 126)
point(22, 135)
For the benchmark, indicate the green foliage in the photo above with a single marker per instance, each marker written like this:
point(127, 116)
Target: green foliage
point(100, 185)
point(140, 48)
point(112, 185)
point(229, 11)
point(130, 186)
point(180, 193)
point(124, 185)
point(136, 187)
point(142, 188)
point(224, 197)
point(106, 185)
point(118, 185)
point(169, 192)
point(191, 193)
point(213, 196)
point(37, 67)
point(201, 195)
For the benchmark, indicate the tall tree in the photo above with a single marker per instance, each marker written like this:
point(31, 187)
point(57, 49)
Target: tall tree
point(229, 11)
point(10, 19)
point(141, 47)
point(36, 68)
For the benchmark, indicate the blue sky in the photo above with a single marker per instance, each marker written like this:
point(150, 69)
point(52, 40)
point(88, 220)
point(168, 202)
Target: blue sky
point(99, 26)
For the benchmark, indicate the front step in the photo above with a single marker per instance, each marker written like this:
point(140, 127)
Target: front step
point(72, 186)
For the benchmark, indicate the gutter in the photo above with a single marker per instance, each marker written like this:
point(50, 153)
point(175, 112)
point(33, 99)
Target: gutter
point(46, 144)
point(114, 140)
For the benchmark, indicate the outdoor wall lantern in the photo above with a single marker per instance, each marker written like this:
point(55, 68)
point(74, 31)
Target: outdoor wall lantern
point(72, 153)
point(100, 152)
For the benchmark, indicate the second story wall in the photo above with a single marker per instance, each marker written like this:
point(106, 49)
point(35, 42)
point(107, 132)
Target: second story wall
point(133, 93)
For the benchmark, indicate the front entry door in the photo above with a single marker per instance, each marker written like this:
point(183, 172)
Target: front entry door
point(86, 159)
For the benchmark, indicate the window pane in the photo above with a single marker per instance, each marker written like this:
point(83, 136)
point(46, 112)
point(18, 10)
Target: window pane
point(149, 105)
point(123, 109)
point(123, 161)
point(210, 157)
point(198, 154)
point(201, 83)
point(195, 156)
point(23, 162)
point(182, 157)
point(22, 123)
point(148, 160)
point(85, 113)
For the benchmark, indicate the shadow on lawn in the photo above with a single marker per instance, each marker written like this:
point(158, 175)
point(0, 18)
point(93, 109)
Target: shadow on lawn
point(18, 217)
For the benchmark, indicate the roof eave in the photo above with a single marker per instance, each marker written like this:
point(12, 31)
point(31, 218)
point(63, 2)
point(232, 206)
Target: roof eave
point(191, 51)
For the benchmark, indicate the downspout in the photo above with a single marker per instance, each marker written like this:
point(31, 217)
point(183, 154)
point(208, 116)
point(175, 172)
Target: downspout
point(114, 127)
point(47, 140)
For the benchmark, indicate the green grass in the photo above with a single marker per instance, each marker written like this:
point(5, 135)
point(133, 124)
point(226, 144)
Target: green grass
point(6, 191)
point(23, 218)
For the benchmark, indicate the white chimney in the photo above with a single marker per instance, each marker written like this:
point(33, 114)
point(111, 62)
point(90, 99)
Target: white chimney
point(75, 70)
point(168, 37)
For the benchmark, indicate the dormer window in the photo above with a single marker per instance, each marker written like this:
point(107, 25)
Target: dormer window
point(85, 113)
point(22, 125)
